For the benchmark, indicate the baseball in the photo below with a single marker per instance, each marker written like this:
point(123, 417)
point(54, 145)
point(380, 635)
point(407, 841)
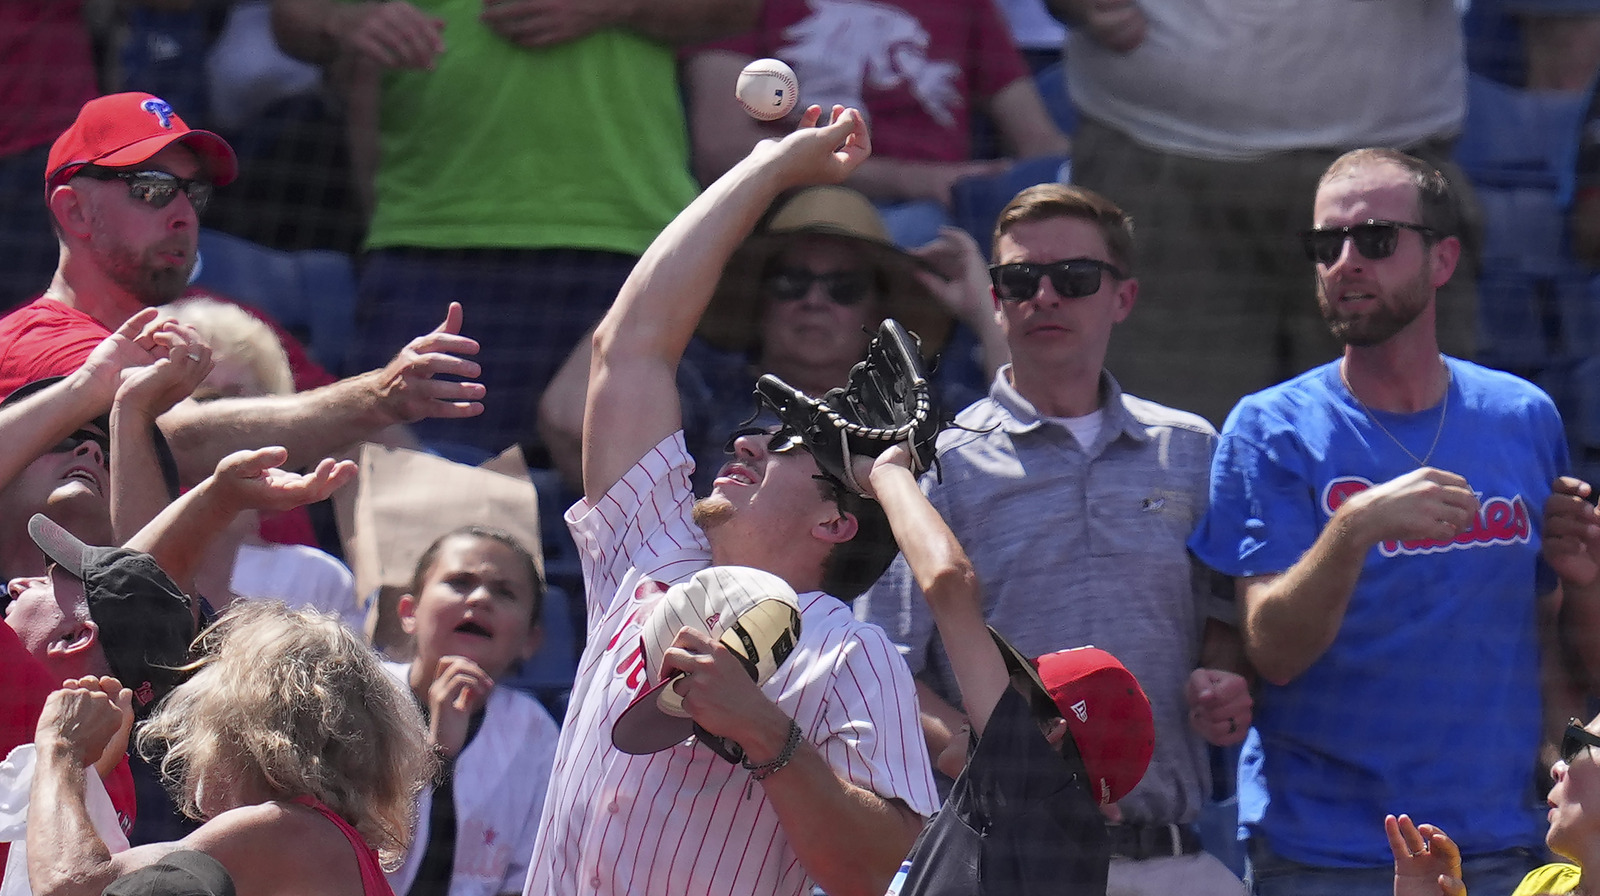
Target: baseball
point(767, 89)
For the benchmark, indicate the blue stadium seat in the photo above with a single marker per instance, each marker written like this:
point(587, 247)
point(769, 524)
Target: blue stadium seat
point(1052, 82)
point(1519, 148)
point(311, 292)
point(975, 202)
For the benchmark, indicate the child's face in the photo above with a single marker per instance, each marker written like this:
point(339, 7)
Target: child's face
point(476, 602)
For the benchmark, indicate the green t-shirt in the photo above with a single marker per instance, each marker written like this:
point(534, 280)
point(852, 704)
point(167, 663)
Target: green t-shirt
point(582, 145)
point(1556, 878)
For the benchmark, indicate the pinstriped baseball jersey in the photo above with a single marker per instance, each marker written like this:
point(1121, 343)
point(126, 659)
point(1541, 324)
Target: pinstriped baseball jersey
point(499, 784)
point(678, 821)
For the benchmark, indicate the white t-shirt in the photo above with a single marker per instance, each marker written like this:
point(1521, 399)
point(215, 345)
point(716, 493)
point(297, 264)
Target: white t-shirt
point(300, 576)
point(1240, 79)
point(500, 783)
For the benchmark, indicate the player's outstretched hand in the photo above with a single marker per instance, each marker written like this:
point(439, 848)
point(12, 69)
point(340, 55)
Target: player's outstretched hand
point(1572, 531)
point(409, 389)
point(251, 480)
point(1426, 861)
point(817, 153)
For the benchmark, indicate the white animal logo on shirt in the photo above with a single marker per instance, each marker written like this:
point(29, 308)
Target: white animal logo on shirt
point(844, 46)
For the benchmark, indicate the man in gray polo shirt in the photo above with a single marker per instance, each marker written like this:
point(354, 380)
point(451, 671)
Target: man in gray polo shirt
point(1074, 501)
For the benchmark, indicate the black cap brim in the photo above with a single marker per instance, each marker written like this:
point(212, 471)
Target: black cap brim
point(58, 544)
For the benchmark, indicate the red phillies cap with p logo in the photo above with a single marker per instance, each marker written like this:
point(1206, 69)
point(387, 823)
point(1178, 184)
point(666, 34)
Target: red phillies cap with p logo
point(124, 129)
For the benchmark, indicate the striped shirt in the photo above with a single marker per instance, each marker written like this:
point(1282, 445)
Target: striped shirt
point(678, 821)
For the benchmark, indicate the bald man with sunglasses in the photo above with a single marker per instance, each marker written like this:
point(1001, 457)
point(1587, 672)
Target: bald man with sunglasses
point(1382, 516)
point(125, 186)
point(1074, 500)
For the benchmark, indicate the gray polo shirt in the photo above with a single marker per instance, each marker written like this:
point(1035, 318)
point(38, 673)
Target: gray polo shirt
point(1076, 547)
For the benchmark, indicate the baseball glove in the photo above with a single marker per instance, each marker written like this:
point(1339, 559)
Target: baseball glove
point(887, 401)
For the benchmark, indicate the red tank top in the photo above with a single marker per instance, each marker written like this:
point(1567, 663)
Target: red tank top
point(373, 883)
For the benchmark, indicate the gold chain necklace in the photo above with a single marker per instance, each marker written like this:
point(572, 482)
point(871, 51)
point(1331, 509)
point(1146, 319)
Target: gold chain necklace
point(1444, 409)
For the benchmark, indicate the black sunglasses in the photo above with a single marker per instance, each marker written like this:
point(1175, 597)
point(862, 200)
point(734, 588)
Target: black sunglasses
point(1374, 239)
point(71, 443)
point(841, 287)
point(1072, 279)
point(779, 439)
point(156, 189)
point(1575, 739)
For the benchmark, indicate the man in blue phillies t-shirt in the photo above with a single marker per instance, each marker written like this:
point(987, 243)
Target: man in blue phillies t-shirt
point(1382, 515)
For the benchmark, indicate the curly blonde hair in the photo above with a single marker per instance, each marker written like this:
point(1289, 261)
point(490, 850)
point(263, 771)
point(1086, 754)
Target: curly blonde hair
point(291, 701)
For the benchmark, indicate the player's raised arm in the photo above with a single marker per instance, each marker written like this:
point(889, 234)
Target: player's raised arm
point(632, 400)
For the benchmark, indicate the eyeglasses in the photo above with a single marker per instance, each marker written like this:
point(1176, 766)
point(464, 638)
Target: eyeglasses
point(156, 189)
point(779, 439)
point(1374, 239)
point(72, 442)
point(1575, 739)
point(1073, 278)
point(841, 287)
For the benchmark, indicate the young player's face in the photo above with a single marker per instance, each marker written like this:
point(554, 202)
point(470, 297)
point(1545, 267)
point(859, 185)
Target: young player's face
point(1048, 329)
point(1575, 800)
point(768, 490)
point(476, 602)
point(147, 251)
point(1368, 300)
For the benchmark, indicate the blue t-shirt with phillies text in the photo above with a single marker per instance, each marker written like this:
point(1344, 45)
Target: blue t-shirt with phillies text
point(1428, 699)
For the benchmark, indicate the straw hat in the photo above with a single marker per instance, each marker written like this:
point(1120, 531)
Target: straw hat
point(732, 322)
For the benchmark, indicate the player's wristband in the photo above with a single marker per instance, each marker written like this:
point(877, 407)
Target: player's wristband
point(765, 770)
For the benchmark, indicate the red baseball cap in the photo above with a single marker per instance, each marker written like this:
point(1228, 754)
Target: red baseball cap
point(1106, 711)
point(124, 129)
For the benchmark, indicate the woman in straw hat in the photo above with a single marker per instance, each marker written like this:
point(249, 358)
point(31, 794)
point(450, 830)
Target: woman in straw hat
point(799, 300)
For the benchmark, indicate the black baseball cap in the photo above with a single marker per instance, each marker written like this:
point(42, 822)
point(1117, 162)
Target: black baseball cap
point(182, 873)
point(146, 622)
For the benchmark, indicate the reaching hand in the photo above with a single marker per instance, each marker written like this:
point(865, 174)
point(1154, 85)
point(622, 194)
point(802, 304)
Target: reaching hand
point(1426, 861)
point(1572, 531)
point(819, 154)
point(863, 467)
point(963, 289)
point(251, 480)
point(89, 718)
point(460, 688)
point(182, 362)
point(544, 23)
point(408, 388)
point(1220, 705)
point(394, 33)
point(131, 346)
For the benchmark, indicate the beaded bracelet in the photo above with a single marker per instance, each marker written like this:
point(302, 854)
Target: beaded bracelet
point(765, 770)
